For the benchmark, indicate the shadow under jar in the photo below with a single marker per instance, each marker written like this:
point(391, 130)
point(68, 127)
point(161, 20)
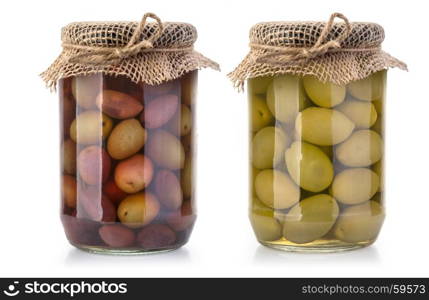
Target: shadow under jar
point(126, 163)
point(317, 162)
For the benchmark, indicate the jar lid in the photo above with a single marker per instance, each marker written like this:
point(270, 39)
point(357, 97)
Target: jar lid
point(306, 34)
point(338, 52)
point(119, 34)
point(149, 52)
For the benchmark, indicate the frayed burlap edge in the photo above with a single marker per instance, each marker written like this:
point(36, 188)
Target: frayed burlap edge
point(145, 52)
point(338, 67)
point(151, 68)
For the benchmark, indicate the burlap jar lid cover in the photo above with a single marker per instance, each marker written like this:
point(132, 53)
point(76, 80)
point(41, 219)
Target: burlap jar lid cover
point(149, 52)
point(338, 52)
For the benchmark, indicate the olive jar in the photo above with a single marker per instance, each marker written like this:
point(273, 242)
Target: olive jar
point(316, 133)
point(127, 134)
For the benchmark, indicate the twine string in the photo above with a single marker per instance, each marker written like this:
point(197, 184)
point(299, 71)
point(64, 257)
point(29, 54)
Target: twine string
point(94, 55)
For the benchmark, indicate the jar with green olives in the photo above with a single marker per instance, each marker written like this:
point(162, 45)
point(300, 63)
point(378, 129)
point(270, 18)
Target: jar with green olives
point(316, 93)
point(127, 134)
point(317, 162)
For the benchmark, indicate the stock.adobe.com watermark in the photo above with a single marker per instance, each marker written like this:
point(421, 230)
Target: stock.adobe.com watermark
point(71, 290)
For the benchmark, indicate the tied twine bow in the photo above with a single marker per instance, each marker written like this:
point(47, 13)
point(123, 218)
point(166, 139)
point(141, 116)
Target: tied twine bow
point(93, 55)
point(321, 47)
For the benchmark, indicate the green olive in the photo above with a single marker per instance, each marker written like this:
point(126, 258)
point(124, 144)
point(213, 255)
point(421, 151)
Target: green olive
point(323, 126)
point(354, 186)
point(362, 113)
point(261, 115)
point(362, 149)
point(370, 88)
point(379, 125)
point(259, 208)
point(360, 223)
point(276, 189)
point(310, 219)
point(253, 173)
point(268, 147)
point(324, 94)
point(266, 228)
point(378, 105)
point(309, 167)
point(286, 98)
point(259, 85)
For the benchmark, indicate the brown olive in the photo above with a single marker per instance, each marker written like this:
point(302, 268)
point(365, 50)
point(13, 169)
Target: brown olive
point(156, 236)
point(117, 236)
point(138, 210)
point(93, 165)
point(126, 139)
point(134, 174)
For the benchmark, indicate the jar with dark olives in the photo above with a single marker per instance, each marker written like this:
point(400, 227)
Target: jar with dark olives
point(316, 133)
point(127, 104)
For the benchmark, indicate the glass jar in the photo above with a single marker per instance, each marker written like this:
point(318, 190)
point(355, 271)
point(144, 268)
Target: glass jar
point(316, 152)
point(126, 163)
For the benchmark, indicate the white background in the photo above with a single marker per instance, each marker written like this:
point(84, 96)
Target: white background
point(32, 242)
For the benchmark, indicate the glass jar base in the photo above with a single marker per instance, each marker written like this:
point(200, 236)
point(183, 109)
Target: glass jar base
point(122, 252)
point(316, 247)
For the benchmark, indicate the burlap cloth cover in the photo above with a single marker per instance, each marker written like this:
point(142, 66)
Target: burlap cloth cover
point(149, 52)
point(332, 51)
